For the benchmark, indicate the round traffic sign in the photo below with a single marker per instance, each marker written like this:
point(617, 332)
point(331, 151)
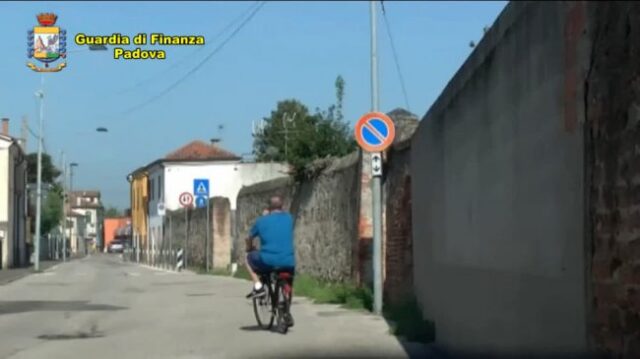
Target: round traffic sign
point(375, 132)
point(186, 199)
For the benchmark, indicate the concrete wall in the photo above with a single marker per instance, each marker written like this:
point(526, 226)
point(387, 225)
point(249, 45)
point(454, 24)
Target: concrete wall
point(498, 195)
point(326, 217)
point(613, 107)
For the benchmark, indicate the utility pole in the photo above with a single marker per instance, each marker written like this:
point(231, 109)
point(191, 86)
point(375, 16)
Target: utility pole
point(65, 196)
point(285, 120)
point(376, 180)
point(40, 95)
point(24, 133)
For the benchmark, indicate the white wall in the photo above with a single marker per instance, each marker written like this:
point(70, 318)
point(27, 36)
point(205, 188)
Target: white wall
point(225, 179)
point(4, 181)
point(5, 220)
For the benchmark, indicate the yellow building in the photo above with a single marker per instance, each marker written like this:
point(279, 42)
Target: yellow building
point(138, 181)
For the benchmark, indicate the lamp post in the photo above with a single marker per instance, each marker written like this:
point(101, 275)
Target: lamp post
point(39, 94)
point(71, 166)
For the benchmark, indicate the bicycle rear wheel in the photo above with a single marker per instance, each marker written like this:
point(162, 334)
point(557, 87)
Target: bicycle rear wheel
point(263, 308)
point(283, 310)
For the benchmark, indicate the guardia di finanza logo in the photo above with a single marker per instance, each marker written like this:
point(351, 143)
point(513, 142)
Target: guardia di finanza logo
point(47, 44)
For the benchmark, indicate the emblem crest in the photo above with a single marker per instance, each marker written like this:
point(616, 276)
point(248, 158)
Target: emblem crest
point(47, 44)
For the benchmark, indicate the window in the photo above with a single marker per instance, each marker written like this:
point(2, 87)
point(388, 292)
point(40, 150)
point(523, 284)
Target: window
point(159, 187)
point(151, 189)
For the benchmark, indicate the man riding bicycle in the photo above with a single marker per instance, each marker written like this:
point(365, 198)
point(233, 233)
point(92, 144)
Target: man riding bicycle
point(275, 230)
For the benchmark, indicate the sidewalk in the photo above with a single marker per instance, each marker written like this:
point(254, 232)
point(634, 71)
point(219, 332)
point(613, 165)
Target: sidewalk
point(10, 275)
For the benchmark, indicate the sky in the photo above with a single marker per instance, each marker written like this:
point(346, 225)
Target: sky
point(287, 50)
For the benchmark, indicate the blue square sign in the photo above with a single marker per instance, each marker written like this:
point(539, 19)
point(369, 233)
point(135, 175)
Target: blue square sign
point(201, 201)
point(201, 187)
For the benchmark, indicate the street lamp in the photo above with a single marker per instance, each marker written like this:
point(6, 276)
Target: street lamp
point(71, 166)
point(39, 94)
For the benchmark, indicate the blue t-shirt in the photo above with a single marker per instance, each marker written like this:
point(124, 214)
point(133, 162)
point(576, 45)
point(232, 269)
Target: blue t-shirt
point(276, 239)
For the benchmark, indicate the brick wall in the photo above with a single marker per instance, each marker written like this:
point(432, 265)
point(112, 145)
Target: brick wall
point(398, 280)
point(613, 112)
point(398, 241)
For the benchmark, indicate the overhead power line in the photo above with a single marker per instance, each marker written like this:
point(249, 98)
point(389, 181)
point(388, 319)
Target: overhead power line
point(195, 52)
point(395, 57)
point(200, 64)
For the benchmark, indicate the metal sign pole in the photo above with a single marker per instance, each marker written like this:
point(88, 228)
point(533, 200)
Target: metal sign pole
point(170, 235)
point(186, 235)
point(208, 237)
point(376, 180)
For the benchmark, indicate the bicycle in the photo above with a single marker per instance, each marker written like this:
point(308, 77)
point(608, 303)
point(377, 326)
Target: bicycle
point(276, 302)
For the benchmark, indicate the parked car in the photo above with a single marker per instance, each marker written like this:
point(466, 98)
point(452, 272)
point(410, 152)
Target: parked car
point(116, 246)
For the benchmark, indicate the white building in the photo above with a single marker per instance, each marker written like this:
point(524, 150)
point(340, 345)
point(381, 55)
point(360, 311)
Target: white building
point(88, 205)
point(175, 174)
point(13, 200)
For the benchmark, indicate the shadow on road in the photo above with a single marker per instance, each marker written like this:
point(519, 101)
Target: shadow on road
point(200, 294)
point(175, 283)
point(252, 328)
point(12, 307)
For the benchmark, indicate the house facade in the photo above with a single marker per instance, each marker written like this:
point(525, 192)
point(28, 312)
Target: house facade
point(138, 184)
point(13, 200)
point(86, 204)
point(174, 174)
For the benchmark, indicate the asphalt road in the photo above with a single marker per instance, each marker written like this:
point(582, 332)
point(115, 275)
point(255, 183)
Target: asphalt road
point(100, 307)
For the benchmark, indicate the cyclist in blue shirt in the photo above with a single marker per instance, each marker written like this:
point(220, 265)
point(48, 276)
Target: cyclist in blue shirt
point(275, 231)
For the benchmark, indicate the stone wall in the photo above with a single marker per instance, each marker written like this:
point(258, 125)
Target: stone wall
point(190, 233)
point(326, 221)
point(251, 201)
point(613, 112)
point(325, 212)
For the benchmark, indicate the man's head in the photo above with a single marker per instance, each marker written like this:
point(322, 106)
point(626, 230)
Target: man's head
point(275, 203)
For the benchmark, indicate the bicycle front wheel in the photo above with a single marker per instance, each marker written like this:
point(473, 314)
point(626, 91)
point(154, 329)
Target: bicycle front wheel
point(263, 309)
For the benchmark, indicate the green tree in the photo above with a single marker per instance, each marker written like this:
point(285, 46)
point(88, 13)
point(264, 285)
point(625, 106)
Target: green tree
point(112, 212)
point(49, 172)
point(295, 135)
point(51, 210)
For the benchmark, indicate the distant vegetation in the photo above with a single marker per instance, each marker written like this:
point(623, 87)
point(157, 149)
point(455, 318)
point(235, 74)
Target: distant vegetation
point(294, 135)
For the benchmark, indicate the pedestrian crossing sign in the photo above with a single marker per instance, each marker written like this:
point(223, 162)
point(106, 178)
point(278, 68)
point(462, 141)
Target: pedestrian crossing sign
point(201, 187)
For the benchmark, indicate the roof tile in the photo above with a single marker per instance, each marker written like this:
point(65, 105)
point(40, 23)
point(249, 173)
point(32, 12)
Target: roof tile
point(200, 151)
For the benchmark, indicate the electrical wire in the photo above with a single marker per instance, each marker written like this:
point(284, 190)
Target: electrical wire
point(395, 57)
point(195, 52)
point(199, 65)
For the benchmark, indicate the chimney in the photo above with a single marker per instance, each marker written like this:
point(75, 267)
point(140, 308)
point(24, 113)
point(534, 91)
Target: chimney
point(5, 126)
